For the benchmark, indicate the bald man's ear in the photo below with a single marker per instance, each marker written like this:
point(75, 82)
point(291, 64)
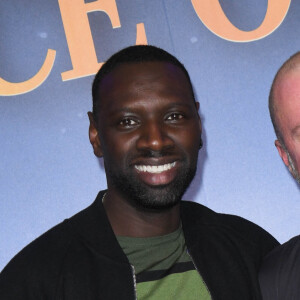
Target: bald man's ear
point(282, 152)
point(94, 136)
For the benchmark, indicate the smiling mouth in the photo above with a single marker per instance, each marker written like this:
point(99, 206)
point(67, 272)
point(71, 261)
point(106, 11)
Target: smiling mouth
point(155, 169)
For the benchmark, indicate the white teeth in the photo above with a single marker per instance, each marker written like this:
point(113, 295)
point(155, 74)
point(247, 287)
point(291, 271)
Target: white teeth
point(155, 169)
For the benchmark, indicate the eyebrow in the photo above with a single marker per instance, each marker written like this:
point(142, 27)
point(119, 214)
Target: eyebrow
point(175, 104)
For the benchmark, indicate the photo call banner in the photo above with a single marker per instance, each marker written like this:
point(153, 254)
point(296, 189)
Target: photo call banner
point(49, 53)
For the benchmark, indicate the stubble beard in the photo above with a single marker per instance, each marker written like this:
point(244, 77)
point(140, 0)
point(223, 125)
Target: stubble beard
point(153, 198)
point(294, 171)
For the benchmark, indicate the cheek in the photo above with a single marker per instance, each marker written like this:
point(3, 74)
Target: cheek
point(116, 146)
point(296, 158)
point(189, 141)
point(294, 152)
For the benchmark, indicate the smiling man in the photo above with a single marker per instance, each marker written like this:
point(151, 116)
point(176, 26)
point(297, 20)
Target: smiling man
point(280, 273)
point(138, 240)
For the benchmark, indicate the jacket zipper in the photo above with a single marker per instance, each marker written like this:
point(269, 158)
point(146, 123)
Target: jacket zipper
point(134, 281)
point(199, 274)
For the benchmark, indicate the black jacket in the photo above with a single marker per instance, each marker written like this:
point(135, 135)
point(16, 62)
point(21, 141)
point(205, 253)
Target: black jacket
point(81, 258)
point(280, 272)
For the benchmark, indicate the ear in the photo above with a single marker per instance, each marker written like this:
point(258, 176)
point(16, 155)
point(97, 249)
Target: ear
point(94, 136)
point(199, 124)
point(282, 152)
point(197, 108)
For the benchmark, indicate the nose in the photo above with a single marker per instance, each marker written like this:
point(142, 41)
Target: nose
point(154, 136)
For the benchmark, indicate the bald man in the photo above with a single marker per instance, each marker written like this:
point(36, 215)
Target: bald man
point(280, 272)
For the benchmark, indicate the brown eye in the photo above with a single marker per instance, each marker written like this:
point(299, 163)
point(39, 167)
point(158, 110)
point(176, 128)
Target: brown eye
point(128, 122)
point(175, 117)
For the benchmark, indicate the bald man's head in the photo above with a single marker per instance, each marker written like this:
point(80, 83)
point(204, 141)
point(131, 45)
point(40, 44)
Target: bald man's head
point(284, 106)
point(291, 65)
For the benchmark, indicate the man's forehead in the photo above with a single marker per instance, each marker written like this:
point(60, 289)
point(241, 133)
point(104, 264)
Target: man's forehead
point(287, 98)
point(122, 69)
point(287, 87)
point(128, 75)
point(131, 83)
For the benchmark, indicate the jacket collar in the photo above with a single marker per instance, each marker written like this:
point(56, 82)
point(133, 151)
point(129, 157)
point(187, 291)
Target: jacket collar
point(94, 229)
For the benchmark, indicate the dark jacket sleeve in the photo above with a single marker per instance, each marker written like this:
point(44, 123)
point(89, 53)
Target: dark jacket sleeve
point(24, 276)
point(279, 276)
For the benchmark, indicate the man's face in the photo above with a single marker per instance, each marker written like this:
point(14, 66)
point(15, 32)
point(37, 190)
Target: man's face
point(149, 133)
point(287, 101)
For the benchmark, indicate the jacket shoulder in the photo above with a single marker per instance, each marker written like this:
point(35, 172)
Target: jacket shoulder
point(280, 271)
point(38, 260)
point(37, 267)
point(239, 228)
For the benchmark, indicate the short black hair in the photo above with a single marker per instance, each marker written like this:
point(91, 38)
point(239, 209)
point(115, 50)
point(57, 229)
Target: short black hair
point(134, 54)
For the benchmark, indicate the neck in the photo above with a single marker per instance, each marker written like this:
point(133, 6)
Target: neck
point(128, 221)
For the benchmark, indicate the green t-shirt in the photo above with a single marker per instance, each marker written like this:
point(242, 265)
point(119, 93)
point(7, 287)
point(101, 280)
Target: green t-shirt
point(163, 268)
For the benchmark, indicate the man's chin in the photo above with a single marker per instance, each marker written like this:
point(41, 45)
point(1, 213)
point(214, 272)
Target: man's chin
point(154, 198)
point(150, 198)
point(159, 197)
point(157, 200)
